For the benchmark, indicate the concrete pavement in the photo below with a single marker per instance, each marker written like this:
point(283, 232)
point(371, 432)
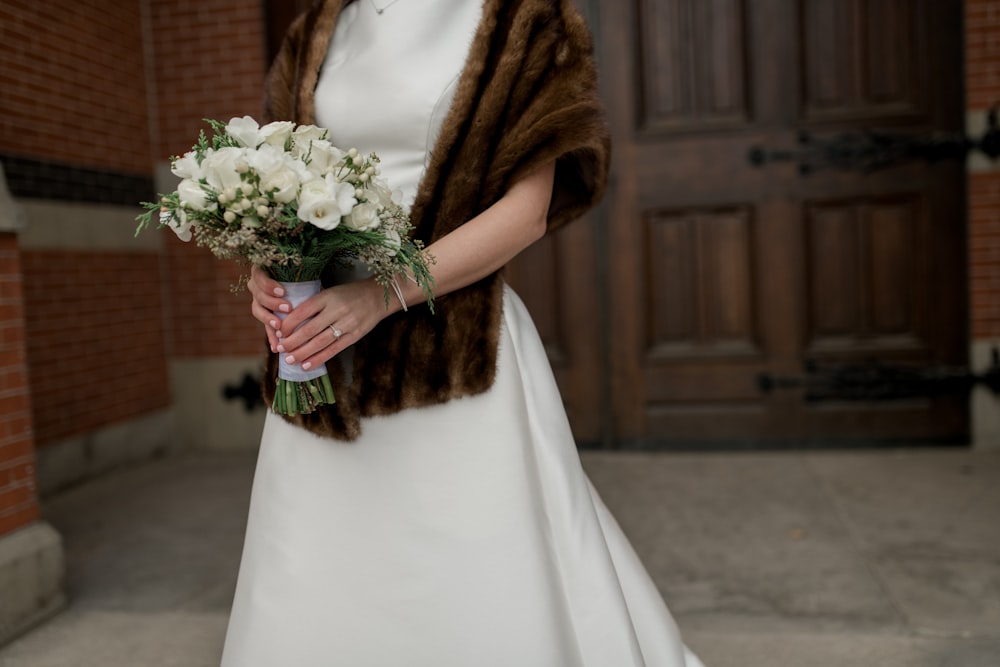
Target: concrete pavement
point(819, 559)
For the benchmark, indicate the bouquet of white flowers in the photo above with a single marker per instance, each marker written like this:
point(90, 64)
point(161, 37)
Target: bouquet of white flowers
point(282, 197)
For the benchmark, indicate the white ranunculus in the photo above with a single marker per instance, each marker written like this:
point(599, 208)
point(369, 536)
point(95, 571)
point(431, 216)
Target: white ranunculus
point(325, 202)
point(186, 166)
point(305, 174)
point(221, 168)
point(324, 157)
point(178, 222)
point(267, 159)
point(378, 193)
point(277, 133)
point(363, 218)
point(193, 196)
point(284, 182)
point(245, 131)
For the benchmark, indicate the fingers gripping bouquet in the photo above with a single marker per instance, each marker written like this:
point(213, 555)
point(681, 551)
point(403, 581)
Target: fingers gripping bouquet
point(284, 198)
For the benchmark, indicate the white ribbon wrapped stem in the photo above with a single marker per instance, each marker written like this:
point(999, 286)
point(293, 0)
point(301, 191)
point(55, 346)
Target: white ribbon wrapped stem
point(296, 293)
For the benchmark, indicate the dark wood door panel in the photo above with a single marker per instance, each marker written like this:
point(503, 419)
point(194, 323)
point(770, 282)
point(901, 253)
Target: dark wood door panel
point(866, 275)
point(692, 64)
point(699, 284)
point(721, 271)
point(863, 59)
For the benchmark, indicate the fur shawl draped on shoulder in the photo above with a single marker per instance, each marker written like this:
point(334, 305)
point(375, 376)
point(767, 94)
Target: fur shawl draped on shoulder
point(527, 96)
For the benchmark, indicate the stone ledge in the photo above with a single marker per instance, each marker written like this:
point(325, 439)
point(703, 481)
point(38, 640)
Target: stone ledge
point(205, 419)
point(32, 569)
point(975, 126)
point(12, 217)
point(75, 459)
point(984, 405)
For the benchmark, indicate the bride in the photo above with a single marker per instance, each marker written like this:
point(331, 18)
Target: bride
point(437, 515)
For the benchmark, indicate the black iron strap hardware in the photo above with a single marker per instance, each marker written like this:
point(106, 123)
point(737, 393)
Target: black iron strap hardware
point(871, 151)
point(247, 391)
point(877, 381)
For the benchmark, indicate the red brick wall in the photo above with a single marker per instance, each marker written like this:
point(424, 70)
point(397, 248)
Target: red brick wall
point(72, 85)
point(984, 249)
point(210, 63)
point(96, 339)
point(18, 500)
point(982, 53)
point(94, 326)
point(211, 320)
point(982, 68)
point(73, 88)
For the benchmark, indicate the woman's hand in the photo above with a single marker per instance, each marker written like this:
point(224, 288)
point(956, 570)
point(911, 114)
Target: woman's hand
point(325, 324)
point(267, 300)
point(350, 310)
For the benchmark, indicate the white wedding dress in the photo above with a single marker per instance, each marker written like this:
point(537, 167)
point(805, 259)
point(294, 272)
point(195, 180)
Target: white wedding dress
point(460, 535)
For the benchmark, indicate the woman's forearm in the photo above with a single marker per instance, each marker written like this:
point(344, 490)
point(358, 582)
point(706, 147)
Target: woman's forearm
point(490, 240)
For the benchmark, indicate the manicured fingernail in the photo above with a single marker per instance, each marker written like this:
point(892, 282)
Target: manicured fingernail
point(285, 308)
point(272, 349)
point(306, 366)
point(290, 359)
point(279, 292)
point(281, 348)
point(274, 324)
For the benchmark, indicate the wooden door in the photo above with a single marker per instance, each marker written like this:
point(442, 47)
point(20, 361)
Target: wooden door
point(720, 271)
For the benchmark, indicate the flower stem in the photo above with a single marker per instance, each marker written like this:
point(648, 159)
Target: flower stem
point(302, 398)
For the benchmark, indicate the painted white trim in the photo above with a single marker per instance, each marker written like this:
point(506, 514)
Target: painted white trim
point(57, 225)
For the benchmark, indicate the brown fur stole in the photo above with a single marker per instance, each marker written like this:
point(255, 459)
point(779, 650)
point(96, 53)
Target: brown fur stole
point(527, 96)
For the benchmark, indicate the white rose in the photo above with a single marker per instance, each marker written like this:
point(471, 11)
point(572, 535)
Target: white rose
point(285, 183)
point(178, 222)
point(363, 218)
point(303, 135)
point(186, 166)
point(324, 202)
point(221, 168)
point(245, 131)
point(277, 133)
point(193, 196)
